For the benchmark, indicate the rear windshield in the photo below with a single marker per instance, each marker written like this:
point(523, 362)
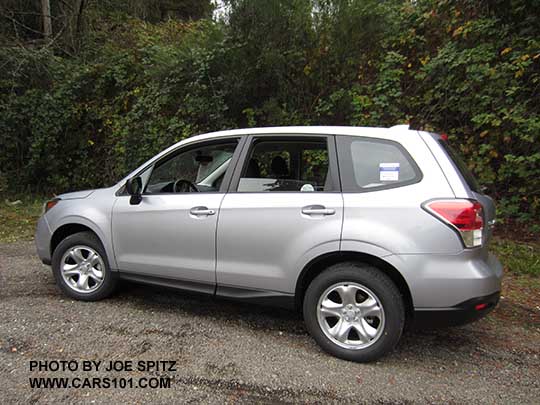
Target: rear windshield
point(461, 166)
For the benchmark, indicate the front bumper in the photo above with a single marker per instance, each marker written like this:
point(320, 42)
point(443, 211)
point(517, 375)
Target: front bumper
point(43, 240)
point(465, 312)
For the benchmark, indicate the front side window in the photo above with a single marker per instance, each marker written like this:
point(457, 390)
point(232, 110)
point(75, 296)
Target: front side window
point(372, 164)
point(274, 165)
point(197, 169)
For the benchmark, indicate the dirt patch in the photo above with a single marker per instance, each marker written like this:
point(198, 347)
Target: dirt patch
point(520, 301)
point(229, 352)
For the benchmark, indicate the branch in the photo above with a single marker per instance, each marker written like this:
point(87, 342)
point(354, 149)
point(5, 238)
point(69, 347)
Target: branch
point(15, 21)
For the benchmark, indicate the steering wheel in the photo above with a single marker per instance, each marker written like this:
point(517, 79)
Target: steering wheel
point(184, 186)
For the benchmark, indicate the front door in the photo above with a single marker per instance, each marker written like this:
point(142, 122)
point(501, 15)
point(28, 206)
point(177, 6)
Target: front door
point(171, 233)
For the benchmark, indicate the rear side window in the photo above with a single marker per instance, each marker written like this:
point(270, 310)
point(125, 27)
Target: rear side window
point(373, 164)
point(461, 166)
point(277, 165)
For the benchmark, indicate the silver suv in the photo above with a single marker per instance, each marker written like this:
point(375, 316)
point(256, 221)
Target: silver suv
point(364, 230)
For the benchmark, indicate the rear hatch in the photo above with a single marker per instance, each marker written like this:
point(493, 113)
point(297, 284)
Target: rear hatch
point(475, 189)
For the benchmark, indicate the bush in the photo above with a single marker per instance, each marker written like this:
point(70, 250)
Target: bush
point(470, 69)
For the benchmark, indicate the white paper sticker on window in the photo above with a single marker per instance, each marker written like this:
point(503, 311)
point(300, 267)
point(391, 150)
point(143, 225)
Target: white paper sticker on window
point(388, 171)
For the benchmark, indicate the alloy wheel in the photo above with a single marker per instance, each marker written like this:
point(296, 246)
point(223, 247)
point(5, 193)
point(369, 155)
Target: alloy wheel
point(350, 315)
point(82, 269)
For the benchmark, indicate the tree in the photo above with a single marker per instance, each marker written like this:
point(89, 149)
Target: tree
point(47, 21)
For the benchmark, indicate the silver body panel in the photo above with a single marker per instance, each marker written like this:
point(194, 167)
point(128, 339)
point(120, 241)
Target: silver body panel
point(263, 241)
point(161, 237)
point(93, 211)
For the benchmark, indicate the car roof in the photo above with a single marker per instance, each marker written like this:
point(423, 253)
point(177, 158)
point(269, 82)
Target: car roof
point(296, 130)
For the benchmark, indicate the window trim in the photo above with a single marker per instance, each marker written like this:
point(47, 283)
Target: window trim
point(250, 143)
point(344, 142)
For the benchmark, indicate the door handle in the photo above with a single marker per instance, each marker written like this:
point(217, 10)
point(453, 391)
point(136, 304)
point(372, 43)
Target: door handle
point(199, 211)
point(318, 210)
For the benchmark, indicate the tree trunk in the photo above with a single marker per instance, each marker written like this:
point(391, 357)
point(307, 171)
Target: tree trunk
point(47, 22)
point(80, 10)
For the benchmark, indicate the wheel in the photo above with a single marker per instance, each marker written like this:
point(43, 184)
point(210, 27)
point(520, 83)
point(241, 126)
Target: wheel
point(81, 268)
point(354, 312)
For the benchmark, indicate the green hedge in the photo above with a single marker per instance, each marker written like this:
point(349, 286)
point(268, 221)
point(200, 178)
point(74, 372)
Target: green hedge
point(467, 68)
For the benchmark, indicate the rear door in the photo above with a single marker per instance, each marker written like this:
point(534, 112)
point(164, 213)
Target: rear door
point(284, 207)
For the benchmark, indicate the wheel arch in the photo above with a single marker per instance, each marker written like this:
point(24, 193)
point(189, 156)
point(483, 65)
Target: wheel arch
point(320, 263)
point(62, 232)
point(72, 226)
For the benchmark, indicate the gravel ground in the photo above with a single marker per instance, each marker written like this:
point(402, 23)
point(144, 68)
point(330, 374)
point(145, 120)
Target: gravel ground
point(229, 352)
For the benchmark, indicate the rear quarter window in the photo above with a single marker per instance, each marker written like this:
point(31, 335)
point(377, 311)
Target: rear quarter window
point(368, 164)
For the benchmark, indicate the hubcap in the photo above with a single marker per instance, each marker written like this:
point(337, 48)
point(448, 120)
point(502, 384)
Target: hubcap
point(82, 269)
point(350, 315)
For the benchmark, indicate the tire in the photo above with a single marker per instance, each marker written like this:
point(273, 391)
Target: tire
point(72, 261)
point(372, 312)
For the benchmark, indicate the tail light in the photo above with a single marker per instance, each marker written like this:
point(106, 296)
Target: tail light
point(465, 216)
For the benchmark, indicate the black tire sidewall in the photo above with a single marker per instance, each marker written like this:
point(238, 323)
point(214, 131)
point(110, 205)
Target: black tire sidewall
point(385, 290)
point(90, 240)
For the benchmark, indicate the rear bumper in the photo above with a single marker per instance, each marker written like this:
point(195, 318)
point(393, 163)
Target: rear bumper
point(465, 312)
point(442, 281)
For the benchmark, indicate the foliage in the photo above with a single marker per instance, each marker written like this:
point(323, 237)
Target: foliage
point(518, 258)
point(84, 115)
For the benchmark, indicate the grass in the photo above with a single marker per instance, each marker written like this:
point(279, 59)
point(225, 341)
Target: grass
point(520, 258)
point(18, 222)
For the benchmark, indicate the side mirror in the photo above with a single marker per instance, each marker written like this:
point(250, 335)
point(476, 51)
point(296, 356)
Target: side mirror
point(134, 189)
